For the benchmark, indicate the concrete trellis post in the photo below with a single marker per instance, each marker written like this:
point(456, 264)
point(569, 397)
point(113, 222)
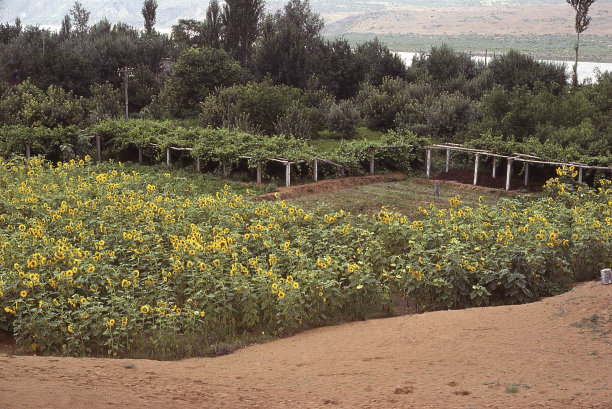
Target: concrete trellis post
point(508, 173)
point(168, 158)
point(198, 165)
point(372, 165)
point(477, 162)
point(98, 148)
point(428, 163)
point(448, 155)
point(27, 149)
point(494, 166)
point(580, 174)
point(140, 155)
point(288, 174)
point(315, 170)
point(258, 173)
point(526, 174)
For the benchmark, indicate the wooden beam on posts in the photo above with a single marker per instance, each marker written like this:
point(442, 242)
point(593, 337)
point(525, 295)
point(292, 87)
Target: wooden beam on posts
point(259, 173)
point(288, 174)
point(315, 170)
point(508, 173)
point(494, 166)
point(526, 174)
point(476, 169)
point(428, 163)
point(27, 148)
point(372, 165)
point(98, 148)
point(140, 155)
point(448, 154)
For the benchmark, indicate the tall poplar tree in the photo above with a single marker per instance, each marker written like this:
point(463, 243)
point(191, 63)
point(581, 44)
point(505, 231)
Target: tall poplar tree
point(241, 20)
point(149, 10)
point(213, 25)
point(582, 23)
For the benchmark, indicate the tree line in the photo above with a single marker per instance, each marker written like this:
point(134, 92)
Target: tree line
point(274, 74)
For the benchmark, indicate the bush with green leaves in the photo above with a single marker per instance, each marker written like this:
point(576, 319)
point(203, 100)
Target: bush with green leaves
point(196, 74)
point(343, 118)
point(380, 105)
point(264, 103)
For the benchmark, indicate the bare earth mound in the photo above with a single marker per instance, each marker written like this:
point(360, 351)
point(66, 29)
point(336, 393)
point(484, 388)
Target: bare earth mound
point(555, 353)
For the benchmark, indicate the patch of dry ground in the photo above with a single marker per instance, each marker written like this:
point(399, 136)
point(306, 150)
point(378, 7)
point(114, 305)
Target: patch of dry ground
point(329, 185)
point(450, 20)
point(555, 353)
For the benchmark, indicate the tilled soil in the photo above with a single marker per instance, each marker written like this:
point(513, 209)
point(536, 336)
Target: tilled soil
point(555, 353)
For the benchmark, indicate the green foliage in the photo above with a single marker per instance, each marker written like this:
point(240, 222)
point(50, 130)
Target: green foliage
point(443, 64)
point(133, 261)
point(241, 20)
point(105, 103)
point(442, 116)
point(195, 75)
point(343, 118)
point(514, 252)
point(164, 269)
point(380, 105)
point(263, 102)
point(378, 62)
point(149, 11)
point(43, 141)
point(514, 68)
point(28, 105)
point(295, 122)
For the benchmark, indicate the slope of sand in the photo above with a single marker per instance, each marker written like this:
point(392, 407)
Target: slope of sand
point(449, 20)
point(555, 353)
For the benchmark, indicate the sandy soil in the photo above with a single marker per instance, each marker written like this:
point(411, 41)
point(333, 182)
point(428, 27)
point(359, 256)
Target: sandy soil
point(449, 20)
point(555, 353)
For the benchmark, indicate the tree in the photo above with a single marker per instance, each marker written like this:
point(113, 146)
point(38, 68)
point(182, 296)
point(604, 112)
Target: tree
point(378, 62)
point(291, 44)
point(80, 16)
point(195, 75)
point(443, 63)
point(241, 20)
point(515, 68)
point(149, 9)
point(213, 25)
point(189, 33)
point(581, 24)
point(66, 27)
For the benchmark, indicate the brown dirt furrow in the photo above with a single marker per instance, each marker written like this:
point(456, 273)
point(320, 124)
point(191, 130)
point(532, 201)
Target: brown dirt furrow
point(329, 185)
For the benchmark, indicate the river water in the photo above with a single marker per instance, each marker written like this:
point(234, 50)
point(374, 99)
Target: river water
point(586, 70)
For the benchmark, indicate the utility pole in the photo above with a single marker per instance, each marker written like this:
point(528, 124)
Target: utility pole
point(126, 72)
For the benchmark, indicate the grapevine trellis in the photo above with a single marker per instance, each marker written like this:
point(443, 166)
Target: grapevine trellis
point(526, 159)
point(515, 157)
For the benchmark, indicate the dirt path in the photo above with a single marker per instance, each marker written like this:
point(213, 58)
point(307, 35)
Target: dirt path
point(527, 356)
point(330, 185)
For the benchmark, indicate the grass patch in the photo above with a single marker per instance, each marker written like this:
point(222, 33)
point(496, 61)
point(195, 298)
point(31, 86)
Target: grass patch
point(402, 196)
point(329, 144)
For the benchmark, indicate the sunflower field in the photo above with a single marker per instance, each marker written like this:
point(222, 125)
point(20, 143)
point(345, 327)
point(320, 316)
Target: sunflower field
point(108, 259)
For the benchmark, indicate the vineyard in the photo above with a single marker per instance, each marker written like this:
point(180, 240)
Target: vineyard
point(111, 259)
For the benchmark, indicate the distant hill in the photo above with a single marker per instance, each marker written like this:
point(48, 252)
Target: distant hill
point(444, 17)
